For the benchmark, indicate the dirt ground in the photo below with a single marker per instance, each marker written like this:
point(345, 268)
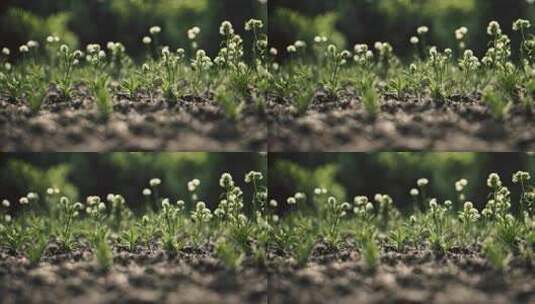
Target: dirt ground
point(343, 125)
point(146, 124)
point(146, 276)
point(196, 276)
point(198, 123)
point(413, 276)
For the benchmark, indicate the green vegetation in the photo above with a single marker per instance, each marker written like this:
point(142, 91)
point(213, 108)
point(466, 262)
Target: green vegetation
point(247, 228)
point(367, 73)
point(109, 71)
point(371, 73)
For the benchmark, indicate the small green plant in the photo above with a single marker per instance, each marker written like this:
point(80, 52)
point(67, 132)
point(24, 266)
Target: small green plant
point(36, 251)
point(229, 254)
point(171, 218)
point(103, 254)
point(496, 102)
point(370, 253)
point(68, 213)
point(496, 254)
point(334, 213)
point(303, 250)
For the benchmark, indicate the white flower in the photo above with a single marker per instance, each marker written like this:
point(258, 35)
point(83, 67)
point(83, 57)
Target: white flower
point(494, 28)
point(291, 201)
point(460, 184)
point(6, 51)
point(493, 181)
point(146, 40)
point(521, 24)
point(331, 49)
point(192, 186)
point(7, 218)
point(378, 197)
point(165, 203)
point(273, 203)
point(24, 49)
point(32, 196)
point(5, 203)
point(414, 192)
point(275, 218)
point(147, 192)
point(300, 196)
point(414, 40)
point(433, 203)
point(300, 44)
point(291, 49)
point(422, 182)
point(200, 205)
point(320, 39)
point(226, 181)
point(253, 176)
point(24, 200)
point(64, 48)
point(461, 32)
point(253, 24)
point(369, 207)
point(155, 30)
point(193, 32)
point(101, 207)
point(32, 44)
point(360, 48)
point(155, 182)
point(273, 51)
point(468, 205)
point(242, 218)
point(226, 28)
point(521, 176)
point(422, 30)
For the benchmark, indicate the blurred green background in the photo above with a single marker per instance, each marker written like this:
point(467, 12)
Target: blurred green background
point(348, 22)
point(82, 174)
point(344, 174)
point(80, 22)
point(349, 174)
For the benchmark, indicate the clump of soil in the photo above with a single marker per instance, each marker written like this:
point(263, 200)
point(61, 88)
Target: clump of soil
point(195, 275)
point(144, 123)
point(461, 123)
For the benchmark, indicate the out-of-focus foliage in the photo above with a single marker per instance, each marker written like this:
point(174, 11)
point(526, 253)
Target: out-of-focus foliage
point(287, 176)
point(80, 22)
point(395, 21)
point(84, 174)
point(352, 174)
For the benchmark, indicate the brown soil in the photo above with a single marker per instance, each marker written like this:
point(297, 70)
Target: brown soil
point(194, 275)
point(194, 123)
point(342, 124)
point(146, 276)
point(413, 276)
